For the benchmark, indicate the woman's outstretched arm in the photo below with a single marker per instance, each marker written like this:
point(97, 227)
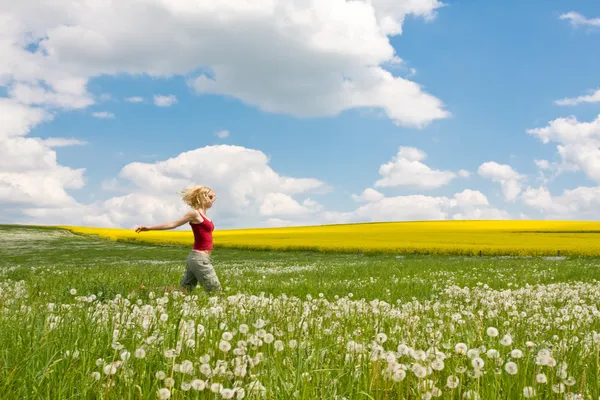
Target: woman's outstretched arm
point(189, 216)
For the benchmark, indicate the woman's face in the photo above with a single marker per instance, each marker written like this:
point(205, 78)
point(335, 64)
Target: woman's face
point(211, 199)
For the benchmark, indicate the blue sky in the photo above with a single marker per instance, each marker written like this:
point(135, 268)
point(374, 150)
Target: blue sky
point(497, 69)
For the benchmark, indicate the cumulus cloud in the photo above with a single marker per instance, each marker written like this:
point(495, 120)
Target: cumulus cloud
point(580, 203)
point(593, 97)
point(577, 144)
point(249, 191)
point(299, 57)
point(29, 171)
point(468, 204)
point(407, 169)
point(509, 179)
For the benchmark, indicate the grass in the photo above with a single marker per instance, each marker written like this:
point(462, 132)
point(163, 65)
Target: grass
point(327, 313)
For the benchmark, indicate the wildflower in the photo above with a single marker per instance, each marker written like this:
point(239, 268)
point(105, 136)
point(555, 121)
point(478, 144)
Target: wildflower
point(528, 392)
point(477, 362)
point(511, 368)
point(96, 375)
point(227, 393)
point(492, 332)
point(160, 375)
point(73, 291)
point(140, 353)
point(110, 369)
point(461, 348)
point(224, 346)
point(198, 384)
point(541, 378)
point(452, 382)
point(227, 336)
point(169, 382)
point(516, 353)
point(164, 393)
point(506, 340)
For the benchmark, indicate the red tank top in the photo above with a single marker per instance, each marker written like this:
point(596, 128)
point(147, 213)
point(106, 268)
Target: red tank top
point(203, 234)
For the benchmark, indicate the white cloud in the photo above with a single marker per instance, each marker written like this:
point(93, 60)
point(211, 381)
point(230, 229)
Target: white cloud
point(509, 179)
point(468, 204)
point(223, 134)
point(580, 203)
point(103, 115)
point(63, 142)
point(316, 58)
point(165, 101)
point(29, 172)
point(135, 99)
point(593, 97)
point(33, 94)
point(578, 144)
point(407, 169)
point(369, 195)
point(249, 191)
point(576, 19)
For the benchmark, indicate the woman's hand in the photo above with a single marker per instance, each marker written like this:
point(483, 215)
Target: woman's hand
point(141, 229)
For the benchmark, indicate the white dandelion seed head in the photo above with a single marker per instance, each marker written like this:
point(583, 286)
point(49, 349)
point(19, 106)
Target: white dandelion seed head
point(452, 382)
point(511, 368)
point(492, 332)
point(198, 384)
point(140, 353)
point(169, 382)
point(461, 348)
point(528, 392)
point(164, 393)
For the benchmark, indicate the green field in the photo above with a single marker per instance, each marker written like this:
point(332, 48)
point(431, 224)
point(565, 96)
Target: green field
point(291, 325)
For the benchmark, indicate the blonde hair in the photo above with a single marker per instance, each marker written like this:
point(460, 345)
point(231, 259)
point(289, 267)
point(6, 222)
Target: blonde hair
point(196, 196)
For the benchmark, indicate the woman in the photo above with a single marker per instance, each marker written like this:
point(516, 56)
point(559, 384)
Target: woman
point(199, 266)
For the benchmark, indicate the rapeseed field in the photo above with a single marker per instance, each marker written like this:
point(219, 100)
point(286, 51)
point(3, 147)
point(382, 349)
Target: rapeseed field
point(492, 238)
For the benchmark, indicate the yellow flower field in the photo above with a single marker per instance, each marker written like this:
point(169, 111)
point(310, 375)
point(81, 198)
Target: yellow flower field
point(430, 237)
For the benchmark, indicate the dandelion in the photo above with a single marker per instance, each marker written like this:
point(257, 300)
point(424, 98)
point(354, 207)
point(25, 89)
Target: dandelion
point(541, 378)
point(381, 338)
point(96, 375)
point(477, 363)
point(452, 382)
point(198, 384)
point(110, 369)
point(164, 393)
point(140, 353)
point(216, 388)
point(269, 338)
point(169, 382)
point(506, 340)
point(227, 336)
point(516, 353)
point(160, 375)
point(185, 386)
point(511, 368)
point(164, 317)
point(224, 346)
point(461, 348)
point(73, 291)
point(125, 355)
point(227, 393)
point(492, 332)
point(528, 392)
